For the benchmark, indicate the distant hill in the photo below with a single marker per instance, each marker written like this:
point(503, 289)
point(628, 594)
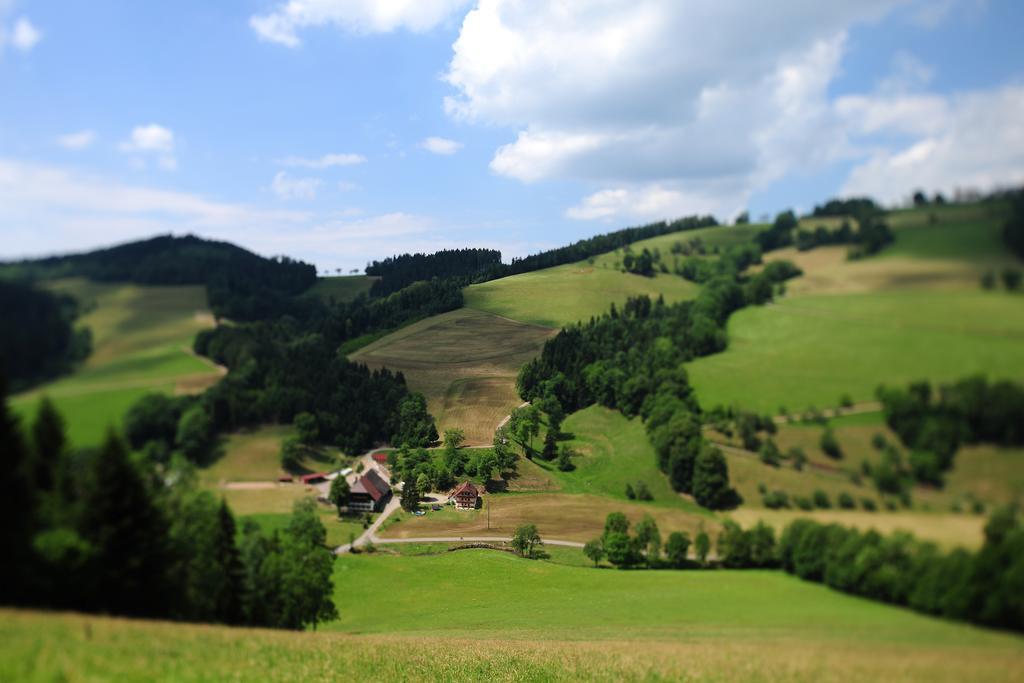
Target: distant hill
point(241, 285)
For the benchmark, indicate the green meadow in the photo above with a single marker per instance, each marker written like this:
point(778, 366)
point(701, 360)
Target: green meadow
point(612, 451)
point(809, 351)
point(561, 296)
point(476, 614)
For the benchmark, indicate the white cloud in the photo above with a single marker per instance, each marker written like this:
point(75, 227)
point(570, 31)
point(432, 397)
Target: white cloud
point(152, 139)
point(24, 35)
point(972, 140)
point(42, 206)
point(326, 161)
point(283, 23)
point(640, 97)
point(77, 140)
point(294, 188)
point(442, 146)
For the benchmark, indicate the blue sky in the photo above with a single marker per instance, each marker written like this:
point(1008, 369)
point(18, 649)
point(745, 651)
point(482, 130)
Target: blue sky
point(338, 131)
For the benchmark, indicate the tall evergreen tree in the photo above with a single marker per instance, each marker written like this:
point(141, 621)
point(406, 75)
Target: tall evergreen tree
point(231, 599)
point(17, 505)
point(129, 533)
point(48, 444)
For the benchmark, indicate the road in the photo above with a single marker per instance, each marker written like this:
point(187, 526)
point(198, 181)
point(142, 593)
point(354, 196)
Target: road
point(472, 539)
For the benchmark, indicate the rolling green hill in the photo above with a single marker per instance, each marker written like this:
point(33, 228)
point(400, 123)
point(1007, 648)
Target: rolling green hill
point(142, 341)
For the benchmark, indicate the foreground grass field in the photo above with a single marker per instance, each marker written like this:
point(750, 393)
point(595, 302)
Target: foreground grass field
point(142, 340)
point(477, 614)
point(465, 362)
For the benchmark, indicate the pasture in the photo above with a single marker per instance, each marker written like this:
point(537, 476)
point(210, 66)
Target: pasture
point(341, 288)
point(612, 451)
point(255, 455)
point(465, 362)
point(565, 516)
point(810, 350)
point(563, 295)
point(142, 341)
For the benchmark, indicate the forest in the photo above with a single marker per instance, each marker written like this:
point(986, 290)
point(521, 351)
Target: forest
point(99, 530)
point(39, 339)
point(397, 272)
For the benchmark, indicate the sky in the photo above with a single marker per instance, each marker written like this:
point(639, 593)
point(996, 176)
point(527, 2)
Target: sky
point(341, 131)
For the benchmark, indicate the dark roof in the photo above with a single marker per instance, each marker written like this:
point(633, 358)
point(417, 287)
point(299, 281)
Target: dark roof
point(373, 485)
point(313, 477)
point(465, 487)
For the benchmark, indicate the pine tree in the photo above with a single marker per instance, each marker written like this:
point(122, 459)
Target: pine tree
point(17, 508)
point(229, 604)
point(48, 444)
point(130, 535)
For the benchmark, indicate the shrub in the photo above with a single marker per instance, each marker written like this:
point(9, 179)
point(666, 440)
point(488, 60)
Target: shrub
point(878, 441)
point(1011, 279)
point(830, 445)
point(803, 502)
point(845, 401)
point(868, 504)
point(846, 501)
point(797, 456)
point(643, 492)
point(776, 500)
point(630, 493)
point(821, 499)
point(988, 280)
point(769, 453)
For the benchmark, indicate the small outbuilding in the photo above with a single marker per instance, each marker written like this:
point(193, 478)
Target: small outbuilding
point(466, 496)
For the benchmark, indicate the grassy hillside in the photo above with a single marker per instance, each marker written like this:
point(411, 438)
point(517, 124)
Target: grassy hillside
point(560, 296)
point(465, 362)
point(808, 351)
point(613, 451)
point(341, 288)
point(142, 340)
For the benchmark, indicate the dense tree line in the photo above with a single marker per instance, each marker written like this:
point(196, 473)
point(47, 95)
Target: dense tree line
point(985, 587)
point(934, 423)
point(39, 340)
point(645, 545)
point(397, 272)
point(600, 244)
point(1013, 229)
point(99, 530)
point(853, 206)
point(241, 285)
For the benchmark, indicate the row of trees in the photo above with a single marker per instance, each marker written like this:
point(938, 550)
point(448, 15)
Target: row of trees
point(39, 340)
point(1013, 229)
point(934, 423)
point(984, 587)
point(644, 546)
point(398, 272)
point(99, 530)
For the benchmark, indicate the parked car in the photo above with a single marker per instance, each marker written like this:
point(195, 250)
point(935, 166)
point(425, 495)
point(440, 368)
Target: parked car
point(420, 513)
point(435, 508)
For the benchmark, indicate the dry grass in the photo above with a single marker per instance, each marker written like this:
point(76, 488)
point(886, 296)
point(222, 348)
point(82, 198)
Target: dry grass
point(465, 362)
point(70, 647)
point(827, 271)
point(946, 529)
point(563, 516)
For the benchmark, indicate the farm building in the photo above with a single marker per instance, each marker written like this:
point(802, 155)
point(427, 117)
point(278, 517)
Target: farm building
point(370, 493)
point(380, 457)
point(465, 496)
